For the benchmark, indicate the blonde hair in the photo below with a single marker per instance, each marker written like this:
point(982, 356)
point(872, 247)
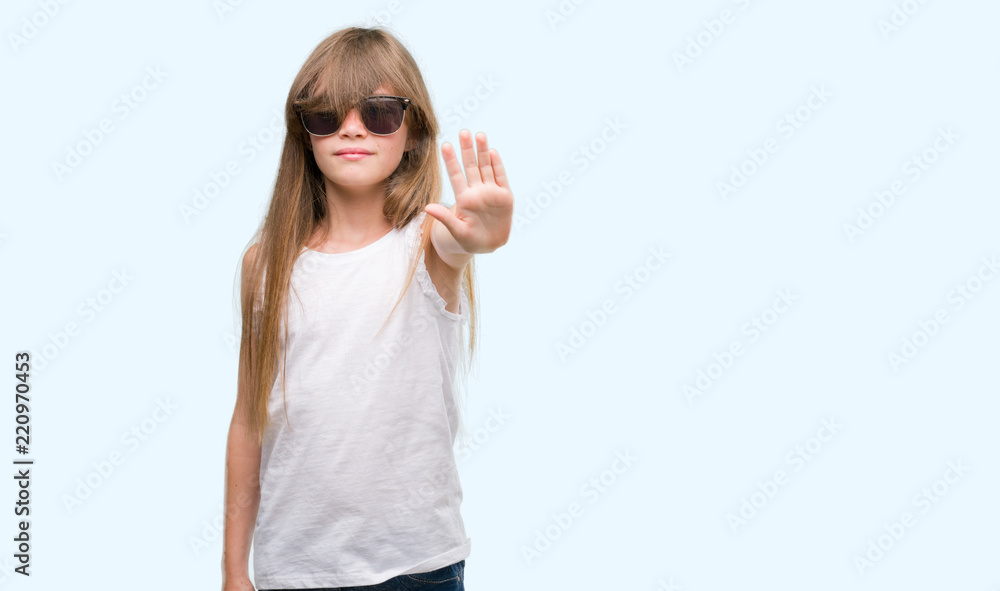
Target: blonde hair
point(346, 66)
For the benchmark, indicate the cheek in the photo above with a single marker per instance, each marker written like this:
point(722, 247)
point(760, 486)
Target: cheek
point(322, 149)
point(393, 150)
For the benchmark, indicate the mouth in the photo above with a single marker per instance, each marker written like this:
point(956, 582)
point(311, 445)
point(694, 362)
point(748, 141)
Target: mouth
point(352, 152)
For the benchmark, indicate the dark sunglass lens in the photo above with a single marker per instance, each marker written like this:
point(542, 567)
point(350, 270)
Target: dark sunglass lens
point(382, 116)
point(321, 123)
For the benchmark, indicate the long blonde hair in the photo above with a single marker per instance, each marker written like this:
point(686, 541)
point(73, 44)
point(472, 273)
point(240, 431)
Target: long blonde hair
point(346, 66)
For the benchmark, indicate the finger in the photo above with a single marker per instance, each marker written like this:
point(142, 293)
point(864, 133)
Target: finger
point(469, 158)
point(485, 167)
point(453, 169)
point(498, 170)
point(443, 215)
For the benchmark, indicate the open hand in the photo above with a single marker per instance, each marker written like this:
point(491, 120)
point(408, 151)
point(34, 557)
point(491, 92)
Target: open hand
point(480, 220)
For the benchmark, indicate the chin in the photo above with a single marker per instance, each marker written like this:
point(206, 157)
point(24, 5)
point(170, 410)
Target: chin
point(354, 180)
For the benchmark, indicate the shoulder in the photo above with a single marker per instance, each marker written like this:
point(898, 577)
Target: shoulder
point(249, 265)
point(250, 259)
point(251, 254)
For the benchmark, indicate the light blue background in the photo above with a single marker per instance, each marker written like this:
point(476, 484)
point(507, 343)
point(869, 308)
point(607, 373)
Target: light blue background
point(660, 523)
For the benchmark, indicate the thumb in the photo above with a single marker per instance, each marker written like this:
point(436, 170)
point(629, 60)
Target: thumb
point(443, 215)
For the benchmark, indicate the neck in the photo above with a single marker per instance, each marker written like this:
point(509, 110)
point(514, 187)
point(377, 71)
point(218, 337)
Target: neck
point(355, 213)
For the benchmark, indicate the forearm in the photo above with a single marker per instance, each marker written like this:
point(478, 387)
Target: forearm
point(242, 499)
point(447, 247)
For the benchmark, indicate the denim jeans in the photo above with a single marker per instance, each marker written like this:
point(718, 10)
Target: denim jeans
point(446, 578)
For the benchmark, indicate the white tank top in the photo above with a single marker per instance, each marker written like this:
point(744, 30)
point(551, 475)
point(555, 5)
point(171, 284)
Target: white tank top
point(360, 484)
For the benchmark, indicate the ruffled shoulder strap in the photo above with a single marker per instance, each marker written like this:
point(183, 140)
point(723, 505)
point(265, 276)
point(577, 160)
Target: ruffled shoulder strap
point(414, 234)
point(412, 230)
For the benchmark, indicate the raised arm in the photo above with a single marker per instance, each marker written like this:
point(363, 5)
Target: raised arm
point(480, 220)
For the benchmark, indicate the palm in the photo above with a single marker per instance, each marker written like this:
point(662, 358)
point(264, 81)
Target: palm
point(480, 220)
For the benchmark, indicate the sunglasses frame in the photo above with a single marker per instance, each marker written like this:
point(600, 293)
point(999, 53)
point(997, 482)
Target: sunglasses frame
point(401, 99)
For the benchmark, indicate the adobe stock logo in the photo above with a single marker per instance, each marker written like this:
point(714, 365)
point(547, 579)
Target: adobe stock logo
point(750, 506)
point(256, 142)
point(713, 29)
point(593, 490)
point(123, 105)
point(899, 16)
point(894, 531)
point(33, 25)
point(103, 469)
point(928, 328)
point(596, 318)
point(461, 110)
point(583, 158)
point(564, 10)
point(915, 167)
point(88, 310)
point(724, 361)
point(759, 155)
point(498, 418)
point(224, 8)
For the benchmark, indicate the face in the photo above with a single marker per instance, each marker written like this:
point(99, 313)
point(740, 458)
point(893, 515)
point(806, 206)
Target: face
point(384, 152)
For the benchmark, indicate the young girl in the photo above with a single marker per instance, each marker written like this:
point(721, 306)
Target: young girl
point(340, 462)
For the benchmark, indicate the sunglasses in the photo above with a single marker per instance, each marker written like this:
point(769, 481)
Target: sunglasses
point(381, 114)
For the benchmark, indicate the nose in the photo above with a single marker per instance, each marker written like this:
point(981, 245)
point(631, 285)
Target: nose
point(353, 125)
